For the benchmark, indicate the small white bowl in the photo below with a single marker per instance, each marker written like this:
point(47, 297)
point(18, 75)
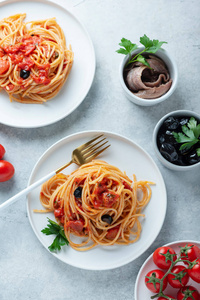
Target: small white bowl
point(164, 161)
point(172, 68)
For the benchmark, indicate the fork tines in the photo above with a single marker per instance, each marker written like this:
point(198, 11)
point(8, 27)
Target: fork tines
point(91, 150)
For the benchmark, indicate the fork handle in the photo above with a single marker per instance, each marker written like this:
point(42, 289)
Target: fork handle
point(26, 190)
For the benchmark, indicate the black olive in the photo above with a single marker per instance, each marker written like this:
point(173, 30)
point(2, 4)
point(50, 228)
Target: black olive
point(184, 121)
point(193, 158)
point(107, 218)
point(185, 151)
point(171, 123)
point(169, 137)
point(24, 74)
point(161, 138)
point(169, 152)
point(78, 192)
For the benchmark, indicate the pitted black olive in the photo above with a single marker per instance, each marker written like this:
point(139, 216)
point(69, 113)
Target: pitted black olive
point(107, 218)
point(161, 138)
point(184, 121)
point(169, 152)
point(171, 123)
point(78, 192)
point(24, 74)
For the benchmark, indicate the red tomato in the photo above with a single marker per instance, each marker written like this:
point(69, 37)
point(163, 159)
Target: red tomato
point(190, 252)
point(194, 272)
point(180, 277)
point(4, 66)
point(76, 225)
point(111, 234)
point(2, 151)
point(6, 170)
point(109, 198)
point(162, 298)
point(59, 212)
point(151, 279)
point(26, 64)
point(188, 292)
point(161, 261)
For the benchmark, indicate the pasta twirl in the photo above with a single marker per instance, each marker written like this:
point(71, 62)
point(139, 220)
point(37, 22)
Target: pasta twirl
point(98, 203)
point(34, 59)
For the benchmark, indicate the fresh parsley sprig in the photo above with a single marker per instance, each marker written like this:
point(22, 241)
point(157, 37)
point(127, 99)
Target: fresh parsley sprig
point(60, 239)
point(150, 46)
point(189, 136)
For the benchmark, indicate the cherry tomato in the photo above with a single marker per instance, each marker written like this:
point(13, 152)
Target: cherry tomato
point(2, 151)
point(161, 261)
point(190, 252)
point(194, 272)
point(155, 275)
point(6, 170)
point(180, 277)
point(188, 292)
point(170, 297)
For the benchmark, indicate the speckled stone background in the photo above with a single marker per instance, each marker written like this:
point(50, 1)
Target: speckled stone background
point(27, 270)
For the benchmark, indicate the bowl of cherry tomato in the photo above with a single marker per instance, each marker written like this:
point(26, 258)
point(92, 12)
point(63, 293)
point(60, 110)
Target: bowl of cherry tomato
point(172, 271)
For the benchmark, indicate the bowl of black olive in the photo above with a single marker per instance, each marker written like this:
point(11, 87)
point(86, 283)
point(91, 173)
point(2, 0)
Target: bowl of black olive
point(147, 86)
point(176, 140)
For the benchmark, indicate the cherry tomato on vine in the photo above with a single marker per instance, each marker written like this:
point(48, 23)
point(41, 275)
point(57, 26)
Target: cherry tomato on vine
point(188, 292)
point(180, 277)
point(6, 170)
point(162, 298)
point(161, 261)
point(152, 280)
point(190, 252)
point(194, 272)
point(2, 151)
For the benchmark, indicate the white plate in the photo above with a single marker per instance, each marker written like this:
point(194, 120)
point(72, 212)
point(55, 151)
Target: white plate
point(80, 78)
point(141, 291)
point(127, 156)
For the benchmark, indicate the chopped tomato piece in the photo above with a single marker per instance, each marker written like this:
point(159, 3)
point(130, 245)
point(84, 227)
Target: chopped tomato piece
point(41, 79)
point(16, 58)
point(111, 234)
point(10, 86)
point(109, 198)
point(58, 213)
point(11, 49)
point(43, 74)
point(4, 66)
point(126, 185)
point(44, 67)
point(26, 64)
point(76, 225)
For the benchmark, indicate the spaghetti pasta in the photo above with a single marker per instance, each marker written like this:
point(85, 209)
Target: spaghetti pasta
point(97, 202)
point(34, 59)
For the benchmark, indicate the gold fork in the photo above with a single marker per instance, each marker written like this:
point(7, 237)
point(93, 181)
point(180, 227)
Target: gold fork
point(81, 155)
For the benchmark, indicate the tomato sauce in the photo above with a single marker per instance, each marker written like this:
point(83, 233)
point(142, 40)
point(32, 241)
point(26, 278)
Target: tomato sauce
point(20, 56)
point(102, 196)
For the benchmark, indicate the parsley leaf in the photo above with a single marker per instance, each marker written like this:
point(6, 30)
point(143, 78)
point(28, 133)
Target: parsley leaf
point(60, 239)
point(141, 59)
point(190, 135)
point(151, 46)
point(128, 47)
